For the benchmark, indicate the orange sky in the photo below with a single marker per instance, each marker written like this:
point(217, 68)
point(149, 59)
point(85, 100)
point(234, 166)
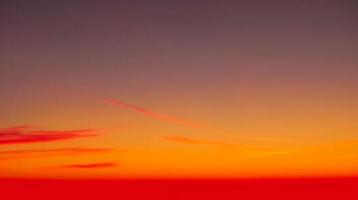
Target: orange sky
point(130, 143)
point(180, 89)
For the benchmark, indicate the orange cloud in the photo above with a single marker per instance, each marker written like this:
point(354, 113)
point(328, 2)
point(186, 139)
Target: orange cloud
point(187, 140)
point(23, 134)
point(272, 153)
point(187, 123)
point(156, 115)
point(20, 154)
point(91, 165)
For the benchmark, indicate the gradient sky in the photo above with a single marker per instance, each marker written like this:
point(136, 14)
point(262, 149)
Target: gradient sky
point(158, 88)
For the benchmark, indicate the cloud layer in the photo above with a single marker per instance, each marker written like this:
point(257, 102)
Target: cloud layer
point(91, 165)
point(31, 153)
point(24, 134)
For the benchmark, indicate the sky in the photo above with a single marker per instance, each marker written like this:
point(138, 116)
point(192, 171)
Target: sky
point(178, 89)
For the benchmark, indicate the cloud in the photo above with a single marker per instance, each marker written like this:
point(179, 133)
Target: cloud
point(91, 165)
point(14, 130)
point(187, 123)
point(245, 150)
point(265, 139)
point(20, 154)
point(159, 116)
point(24, 134)
point(272, 153)
point(187, 140)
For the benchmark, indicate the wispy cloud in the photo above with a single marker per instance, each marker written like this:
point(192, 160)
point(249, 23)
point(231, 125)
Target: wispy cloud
point(191, 124)
point(34, 153)
point(91, 165)
point(188, 140)
point(156, 115)
point(272, 153)
point(25, 134)
point(187, 123)
point(247, 150)
point(334, 149)
point(264, 139)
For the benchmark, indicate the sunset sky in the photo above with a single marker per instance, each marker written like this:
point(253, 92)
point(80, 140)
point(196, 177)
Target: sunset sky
point(178, 89)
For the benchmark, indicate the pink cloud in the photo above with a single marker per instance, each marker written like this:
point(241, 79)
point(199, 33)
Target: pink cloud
point(156, 115)
point(91, 165)
point(187, 140)
point(24, 134)
point(20, 154)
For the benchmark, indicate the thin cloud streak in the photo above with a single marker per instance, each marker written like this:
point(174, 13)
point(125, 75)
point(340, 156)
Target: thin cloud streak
point(14, 130)
point(23, 134)
point(34, 153)
point(91, 165)
point(250, 150)
point(190, 124)
point(262, 138)
point(272, 153)
point(159, 116)
point(187, 140)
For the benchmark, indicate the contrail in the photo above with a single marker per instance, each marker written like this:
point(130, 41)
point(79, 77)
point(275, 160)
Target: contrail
point(190, 124)
point(159, 116)
point(188, 140)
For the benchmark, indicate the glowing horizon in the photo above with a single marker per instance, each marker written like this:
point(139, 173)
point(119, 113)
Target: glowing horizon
point(178, 89)
point(174, 156)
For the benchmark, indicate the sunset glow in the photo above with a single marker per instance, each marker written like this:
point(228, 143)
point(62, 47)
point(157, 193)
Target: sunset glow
point(173, 90)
